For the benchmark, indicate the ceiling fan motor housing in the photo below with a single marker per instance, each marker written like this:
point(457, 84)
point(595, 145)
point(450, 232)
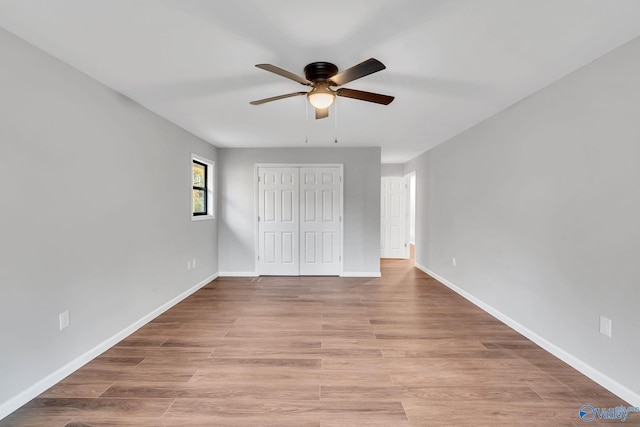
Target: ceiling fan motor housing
point(320, 71)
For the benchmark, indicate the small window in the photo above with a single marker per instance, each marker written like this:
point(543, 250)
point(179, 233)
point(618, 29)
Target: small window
point(199, 188)
point(202, 196)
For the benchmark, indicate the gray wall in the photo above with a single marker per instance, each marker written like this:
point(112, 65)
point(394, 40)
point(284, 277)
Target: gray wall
point(541, 207)
point(94, 214)
point(392, 169)
point(361, 203)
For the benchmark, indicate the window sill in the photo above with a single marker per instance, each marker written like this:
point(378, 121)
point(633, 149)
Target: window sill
point(202, 217)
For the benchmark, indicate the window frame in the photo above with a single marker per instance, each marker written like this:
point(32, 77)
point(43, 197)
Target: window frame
point(204, 188)
point(209, 168)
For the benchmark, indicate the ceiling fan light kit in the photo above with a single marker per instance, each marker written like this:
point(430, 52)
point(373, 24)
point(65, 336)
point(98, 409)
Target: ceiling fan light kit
point(322, 76)
point(321, 96)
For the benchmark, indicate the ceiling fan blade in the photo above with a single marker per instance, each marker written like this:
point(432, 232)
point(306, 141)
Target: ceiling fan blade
point(275, 98)
point(322, 113)
point(365, 96)
point(365, 68)
point(284, 73)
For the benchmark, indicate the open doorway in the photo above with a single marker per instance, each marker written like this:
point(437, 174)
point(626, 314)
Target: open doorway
point(394, 218)
point(398, 217)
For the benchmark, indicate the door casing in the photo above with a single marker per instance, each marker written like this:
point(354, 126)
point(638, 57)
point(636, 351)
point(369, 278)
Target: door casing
point(340, 166)
point(394, 221)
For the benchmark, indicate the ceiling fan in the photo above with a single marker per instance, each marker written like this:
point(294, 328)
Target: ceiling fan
point(322, 77)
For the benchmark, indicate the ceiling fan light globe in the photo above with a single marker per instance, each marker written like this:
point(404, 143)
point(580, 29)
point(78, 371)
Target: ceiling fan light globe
point(321, 99)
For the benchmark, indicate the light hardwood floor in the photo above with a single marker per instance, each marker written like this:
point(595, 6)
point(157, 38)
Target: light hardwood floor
point(402, 350)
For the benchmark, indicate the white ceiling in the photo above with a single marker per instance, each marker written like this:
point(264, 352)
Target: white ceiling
point(450, 64)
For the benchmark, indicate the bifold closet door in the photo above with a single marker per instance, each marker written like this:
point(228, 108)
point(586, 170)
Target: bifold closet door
point(320, 221)
point(299, 221)
point(278, 221)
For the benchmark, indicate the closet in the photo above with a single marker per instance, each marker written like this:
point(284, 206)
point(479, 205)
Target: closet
point(299, 221)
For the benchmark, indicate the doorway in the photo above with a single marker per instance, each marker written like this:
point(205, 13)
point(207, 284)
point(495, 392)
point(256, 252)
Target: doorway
point(398, 216)
point(394, 220)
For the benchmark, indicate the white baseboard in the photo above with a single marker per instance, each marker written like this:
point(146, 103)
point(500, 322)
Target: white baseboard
point(361, 274)
point(238, 274)
point(613, 386)
point(50, 380)
point(254, 274)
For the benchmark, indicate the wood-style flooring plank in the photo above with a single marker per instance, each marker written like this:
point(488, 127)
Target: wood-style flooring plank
point(292, 353)
point(90, 389)
point(346, 412)
point(219, 390)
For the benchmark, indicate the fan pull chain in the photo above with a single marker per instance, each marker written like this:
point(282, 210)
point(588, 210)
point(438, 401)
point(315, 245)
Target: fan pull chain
point(335, 123)
point(306, 123)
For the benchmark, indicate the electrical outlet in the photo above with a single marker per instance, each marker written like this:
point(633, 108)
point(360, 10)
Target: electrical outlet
point(189, 265)
point(453, 262)
point(193, 263)
point(64, 319)
point(605, 326)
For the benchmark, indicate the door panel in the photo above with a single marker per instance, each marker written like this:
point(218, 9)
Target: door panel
point(320, 221)
point(310, 248)
point(278, 221)
point(287, 206)
point(327, 247)
point(310, 205)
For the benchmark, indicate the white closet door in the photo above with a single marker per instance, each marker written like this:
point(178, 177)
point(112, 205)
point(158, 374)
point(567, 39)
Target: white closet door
point(320, 221)
point(393, 219)
point(278, 221)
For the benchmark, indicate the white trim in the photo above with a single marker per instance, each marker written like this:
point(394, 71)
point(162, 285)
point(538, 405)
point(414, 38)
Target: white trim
point(610, 384)
point(256, 213)
point(386, 252)
point(55, 377)
point(342, 220)
point(408, 178)
point(298, 165)
point(211, 193)
point(255, 274)
point(256, 209)
point(361, 274)
point(202, 217)
point(238, 274)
